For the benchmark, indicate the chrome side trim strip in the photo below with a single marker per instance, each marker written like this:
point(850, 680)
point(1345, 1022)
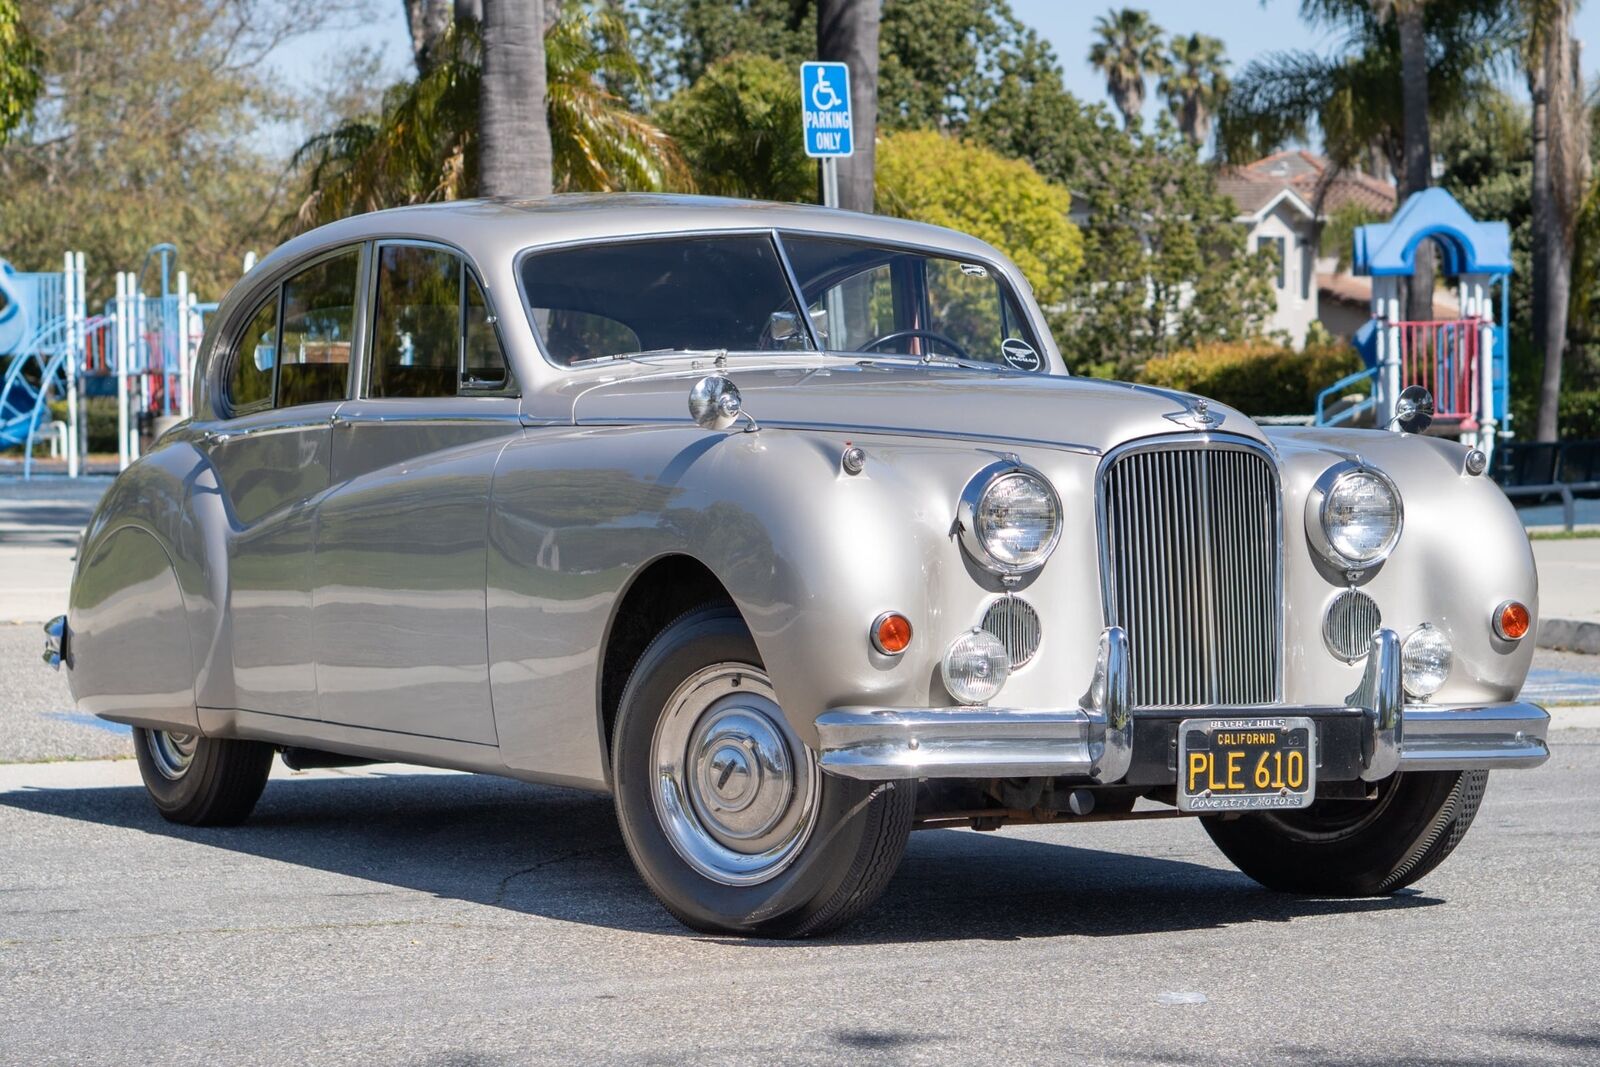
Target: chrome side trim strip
point(845, 427)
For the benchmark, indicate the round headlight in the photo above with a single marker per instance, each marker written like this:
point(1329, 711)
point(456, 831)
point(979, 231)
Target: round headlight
point(1359, 518)
point(975, 667)
point(1425, 659)
point(1010, 519)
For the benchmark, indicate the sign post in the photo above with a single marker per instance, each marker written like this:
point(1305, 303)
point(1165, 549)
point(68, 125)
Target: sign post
point(825, 111)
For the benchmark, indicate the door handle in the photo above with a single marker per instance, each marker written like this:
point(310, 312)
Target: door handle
point(214, 437)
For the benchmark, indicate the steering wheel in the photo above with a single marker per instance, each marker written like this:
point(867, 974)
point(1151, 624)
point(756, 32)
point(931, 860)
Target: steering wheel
point(897, 335)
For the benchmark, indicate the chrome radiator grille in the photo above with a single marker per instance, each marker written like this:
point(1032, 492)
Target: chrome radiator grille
point(1189, 536)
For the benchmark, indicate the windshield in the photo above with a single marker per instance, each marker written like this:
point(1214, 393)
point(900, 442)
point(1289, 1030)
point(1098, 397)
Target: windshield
point(629, 297)
point(732, 292)
point(867, 298)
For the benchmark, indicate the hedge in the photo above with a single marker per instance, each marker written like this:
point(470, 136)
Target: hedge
point(1257, 377)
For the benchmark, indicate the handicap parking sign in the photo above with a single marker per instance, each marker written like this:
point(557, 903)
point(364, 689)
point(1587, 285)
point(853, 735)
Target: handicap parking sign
point(825, 104)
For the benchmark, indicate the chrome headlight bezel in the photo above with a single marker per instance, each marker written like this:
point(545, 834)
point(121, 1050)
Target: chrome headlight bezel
point(972, 499)
point(1317, 523)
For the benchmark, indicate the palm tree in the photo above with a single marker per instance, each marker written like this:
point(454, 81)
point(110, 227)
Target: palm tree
point(1194, 84)
point(517, 159)
point(424, 146)
point(1416, 150)
point(1560, 183)
point(1129, 48)
point(847, 32)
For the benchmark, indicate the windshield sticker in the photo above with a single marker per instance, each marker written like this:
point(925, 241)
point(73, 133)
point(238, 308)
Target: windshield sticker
point(976, 270)
point(1020, 354)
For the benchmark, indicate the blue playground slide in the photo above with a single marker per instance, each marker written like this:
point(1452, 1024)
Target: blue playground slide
point(33, 353)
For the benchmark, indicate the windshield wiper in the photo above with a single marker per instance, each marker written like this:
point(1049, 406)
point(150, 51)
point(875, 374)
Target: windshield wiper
point(906, 357)
point(617, 357)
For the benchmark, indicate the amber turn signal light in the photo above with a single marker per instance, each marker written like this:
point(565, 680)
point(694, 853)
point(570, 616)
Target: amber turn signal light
point(891, 633)
point(1511, 620)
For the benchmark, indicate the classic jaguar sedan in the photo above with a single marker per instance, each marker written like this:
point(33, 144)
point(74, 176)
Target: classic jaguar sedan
point(788, 528)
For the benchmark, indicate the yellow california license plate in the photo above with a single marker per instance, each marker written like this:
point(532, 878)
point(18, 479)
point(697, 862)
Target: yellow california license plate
point(1246, 764)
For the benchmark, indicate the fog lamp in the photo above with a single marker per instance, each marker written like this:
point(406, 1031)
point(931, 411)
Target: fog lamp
point(1425, 659)
point(975, 667)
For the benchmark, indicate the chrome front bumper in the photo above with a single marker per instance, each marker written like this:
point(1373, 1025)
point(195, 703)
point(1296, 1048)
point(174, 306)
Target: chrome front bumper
point(1095, 739)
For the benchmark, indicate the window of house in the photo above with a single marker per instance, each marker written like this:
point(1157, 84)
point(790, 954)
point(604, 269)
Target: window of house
point(1274, 245)
point(433, 335)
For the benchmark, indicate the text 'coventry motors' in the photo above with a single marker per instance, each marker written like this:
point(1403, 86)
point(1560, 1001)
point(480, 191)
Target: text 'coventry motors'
point(787, 527)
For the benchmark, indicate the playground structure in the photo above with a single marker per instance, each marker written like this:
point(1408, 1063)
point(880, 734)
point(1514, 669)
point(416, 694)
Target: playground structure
point(1463, 362)
point(138, 349)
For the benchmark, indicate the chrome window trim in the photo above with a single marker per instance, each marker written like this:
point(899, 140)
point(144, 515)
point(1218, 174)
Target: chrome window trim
point(1201, 441)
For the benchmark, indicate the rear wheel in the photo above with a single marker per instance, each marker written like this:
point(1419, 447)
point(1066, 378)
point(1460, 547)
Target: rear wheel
point(1356, 848)
point(201, 781)
point(725, 811)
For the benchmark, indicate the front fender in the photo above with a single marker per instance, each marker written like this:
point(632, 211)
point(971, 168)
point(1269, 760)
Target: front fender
point(1462, 552)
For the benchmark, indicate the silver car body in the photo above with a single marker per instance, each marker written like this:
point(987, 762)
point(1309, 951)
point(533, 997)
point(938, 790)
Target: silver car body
point(458, 582)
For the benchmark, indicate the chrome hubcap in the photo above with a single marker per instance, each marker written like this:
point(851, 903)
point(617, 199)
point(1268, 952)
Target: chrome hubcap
point(736, 791)
point(171, 753)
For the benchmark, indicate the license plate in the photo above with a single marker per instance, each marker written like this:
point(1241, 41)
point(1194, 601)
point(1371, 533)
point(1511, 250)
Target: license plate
point(1246, 764)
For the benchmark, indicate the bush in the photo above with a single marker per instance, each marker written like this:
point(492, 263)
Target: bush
point(100, 414)
point(1579, 418)
point(1257, 377)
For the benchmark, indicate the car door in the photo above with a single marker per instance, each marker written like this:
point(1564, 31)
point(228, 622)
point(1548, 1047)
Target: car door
point(401, 553)
point(271, 454)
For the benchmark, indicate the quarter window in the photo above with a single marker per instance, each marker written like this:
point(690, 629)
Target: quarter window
point(433, 335)
point(250, 380)
point(319, 318)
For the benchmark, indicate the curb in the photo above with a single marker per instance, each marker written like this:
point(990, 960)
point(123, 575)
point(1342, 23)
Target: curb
point(1571, 635)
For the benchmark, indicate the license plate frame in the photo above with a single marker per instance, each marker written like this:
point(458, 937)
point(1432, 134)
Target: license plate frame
point(1290, 734)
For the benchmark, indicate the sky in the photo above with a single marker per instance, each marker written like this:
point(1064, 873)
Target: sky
point(1249, 28)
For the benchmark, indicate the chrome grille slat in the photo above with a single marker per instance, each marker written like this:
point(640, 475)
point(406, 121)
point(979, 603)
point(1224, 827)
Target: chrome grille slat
point(1015, 622)
point(1190, 549)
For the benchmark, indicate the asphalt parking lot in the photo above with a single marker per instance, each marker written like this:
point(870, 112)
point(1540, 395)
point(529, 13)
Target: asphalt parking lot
point(388, 915)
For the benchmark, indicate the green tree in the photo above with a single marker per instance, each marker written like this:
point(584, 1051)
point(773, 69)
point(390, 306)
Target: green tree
point(155, 125)
point(1352, 94)
point(739, 129)
point(1194, 84)
point(1167, 266)
point(1560, 184)
point(683, 38)
point(20, 81)
point(930, 177)
point(1128, 51)
point(423, 146)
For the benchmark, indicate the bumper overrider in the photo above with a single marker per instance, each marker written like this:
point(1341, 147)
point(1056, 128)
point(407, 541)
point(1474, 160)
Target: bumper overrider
point(1105, 739)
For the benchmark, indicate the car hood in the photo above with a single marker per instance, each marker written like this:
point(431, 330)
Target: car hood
point(1084, 413)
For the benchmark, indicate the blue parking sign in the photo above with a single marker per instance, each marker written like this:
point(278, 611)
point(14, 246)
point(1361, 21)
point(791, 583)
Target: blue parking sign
point(825, 105)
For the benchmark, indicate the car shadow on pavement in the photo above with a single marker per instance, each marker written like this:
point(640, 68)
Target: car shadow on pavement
point(558, 853)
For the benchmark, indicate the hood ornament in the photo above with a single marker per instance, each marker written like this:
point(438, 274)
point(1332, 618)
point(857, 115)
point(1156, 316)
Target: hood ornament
point(1198, 416)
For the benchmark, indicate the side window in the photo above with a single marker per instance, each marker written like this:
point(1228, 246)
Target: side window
point(415, 343)
point(483, 364)
point(319, 318)
point(432, 335)
point(250, 378)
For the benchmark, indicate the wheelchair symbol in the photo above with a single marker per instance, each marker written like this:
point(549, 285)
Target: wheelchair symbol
point(823, 98)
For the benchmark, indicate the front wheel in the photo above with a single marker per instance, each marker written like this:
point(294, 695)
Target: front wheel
point(201, 781)
point(725, 811)
point(1356, 848)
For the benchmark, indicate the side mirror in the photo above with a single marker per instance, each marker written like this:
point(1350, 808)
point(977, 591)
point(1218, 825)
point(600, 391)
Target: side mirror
point(714, 402)
point(783, 326)
point(1413, 410)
